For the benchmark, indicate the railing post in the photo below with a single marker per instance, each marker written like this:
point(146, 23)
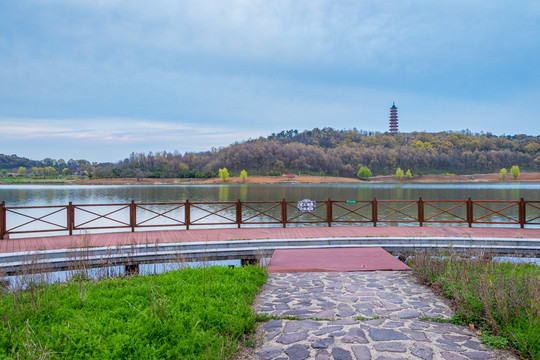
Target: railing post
point(133, 215)
point(70, 220)
point(284, 212)
point(2, 220)
point(470, 217)
point(374, 211)
point(187, 214)
point(421, 211)
point(522, 213)
point(329, 214)
point(239, 213)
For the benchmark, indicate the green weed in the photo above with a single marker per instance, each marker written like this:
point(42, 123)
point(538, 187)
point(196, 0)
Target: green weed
point(502, 299)
point(361, 318)
point(494, 341)
point(183, 314)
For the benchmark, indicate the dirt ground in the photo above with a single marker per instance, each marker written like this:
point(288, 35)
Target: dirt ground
point(307, 179)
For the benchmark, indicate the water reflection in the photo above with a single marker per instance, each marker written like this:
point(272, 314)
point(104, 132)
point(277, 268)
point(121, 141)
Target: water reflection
point(223, 193)
point(243, 192)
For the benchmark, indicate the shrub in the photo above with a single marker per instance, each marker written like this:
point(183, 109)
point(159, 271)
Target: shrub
point(223, 173)
point(364, 173)
point(503, 299)
point(243, 175)
point(515, 172)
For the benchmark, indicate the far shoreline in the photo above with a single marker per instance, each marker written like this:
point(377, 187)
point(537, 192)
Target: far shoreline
point(301, 179)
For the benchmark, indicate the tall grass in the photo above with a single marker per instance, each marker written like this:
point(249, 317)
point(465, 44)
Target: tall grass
point(501, 298)
point(199, 313)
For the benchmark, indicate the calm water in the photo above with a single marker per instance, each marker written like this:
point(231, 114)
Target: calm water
point(31, 195)
point(37, 195)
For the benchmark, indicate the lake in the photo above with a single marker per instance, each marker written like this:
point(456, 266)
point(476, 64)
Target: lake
point(42, 195)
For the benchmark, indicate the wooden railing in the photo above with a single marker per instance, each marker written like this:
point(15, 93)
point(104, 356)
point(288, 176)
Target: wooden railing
point(67, 218)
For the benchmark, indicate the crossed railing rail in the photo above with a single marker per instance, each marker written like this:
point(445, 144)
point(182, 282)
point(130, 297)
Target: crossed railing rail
point(67, 218)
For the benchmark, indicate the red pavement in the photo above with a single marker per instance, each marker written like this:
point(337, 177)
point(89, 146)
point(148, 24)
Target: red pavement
point(333, 259)
point(168, 236)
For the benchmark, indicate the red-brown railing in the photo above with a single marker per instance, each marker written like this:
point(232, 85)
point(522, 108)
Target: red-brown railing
point(32, 219)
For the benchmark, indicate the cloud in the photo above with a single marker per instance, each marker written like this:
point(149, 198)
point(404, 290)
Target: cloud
point(131, 75)
point(115, 131)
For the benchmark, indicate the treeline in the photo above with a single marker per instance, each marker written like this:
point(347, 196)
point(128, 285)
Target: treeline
point(13, 164)
point(340, 153)
point(10, 162)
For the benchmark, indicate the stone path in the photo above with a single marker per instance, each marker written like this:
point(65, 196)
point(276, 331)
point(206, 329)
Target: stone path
point(361, 315)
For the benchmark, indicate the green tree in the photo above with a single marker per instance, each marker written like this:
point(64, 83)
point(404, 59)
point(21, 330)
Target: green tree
point(532, 147)
point(65, 171)
point(515, 172)
point(503, 173)
point(399, 173)
point(279, 166)
point(21, 171)
point(50, 171)
point(243, 175)
point(408, 174)
point(537, 162)
point(38, 171)
point(364, 173)
point(223, 173)
point(3, 172)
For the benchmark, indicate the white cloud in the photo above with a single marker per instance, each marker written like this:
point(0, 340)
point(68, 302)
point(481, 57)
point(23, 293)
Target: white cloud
point(133, 75)
point(101, 130)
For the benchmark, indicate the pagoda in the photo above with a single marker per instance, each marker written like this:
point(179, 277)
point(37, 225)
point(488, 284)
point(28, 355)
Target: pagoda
point(393, 119)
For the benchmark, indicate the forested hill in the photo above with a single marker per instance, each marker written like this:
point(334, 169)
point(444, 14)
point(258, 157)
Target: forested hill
point(331, 152)
point(14, 161)
point(341, 152)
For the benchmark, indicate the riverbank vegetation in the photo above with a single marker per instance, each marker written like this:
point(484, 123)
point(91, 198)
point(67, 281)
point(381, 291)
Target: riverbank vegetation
point(500, 300)
point(324, 151)
point(199, 313)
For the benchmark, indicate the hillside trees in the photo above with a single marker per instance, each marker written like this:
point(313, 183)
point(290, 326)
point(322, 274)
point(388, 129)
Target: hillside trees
point(334, 152)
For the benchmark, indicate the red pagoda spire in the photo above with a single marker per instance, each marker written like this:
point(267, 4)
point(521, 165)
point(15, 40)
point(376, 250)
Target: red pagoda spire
point(393, 119)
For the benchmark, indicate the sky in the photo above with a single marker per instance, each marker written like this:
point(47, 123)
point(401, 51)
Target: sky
point(99, 79)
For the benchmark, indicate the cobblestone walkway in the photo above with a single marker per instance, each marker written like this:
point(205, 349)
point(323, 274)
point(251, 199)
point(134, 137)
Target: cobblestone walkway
point(361, 315)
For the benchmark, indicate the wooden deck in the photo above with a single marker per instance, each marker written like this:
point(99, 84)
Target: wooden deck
point(170, 236)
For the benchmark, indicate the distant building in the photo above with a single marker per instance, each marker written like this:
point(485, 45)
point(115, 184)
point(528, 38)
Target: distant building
point(393, 119)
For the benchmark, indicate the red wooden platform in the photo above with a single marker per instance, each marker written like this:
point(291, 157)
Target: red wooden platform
point(333, 259)
point(168, 236)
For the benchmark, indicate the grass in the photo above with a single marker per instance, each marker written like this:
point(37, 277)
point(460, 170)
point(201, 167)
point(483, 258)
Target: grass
point(502, 300)
point(34, 180)
point(201, 313)
point(361, 318)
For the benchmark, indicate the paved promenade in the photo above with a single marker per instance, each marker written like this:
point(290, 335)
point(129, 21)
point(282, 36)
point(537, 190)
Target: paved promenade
point(171, 236)
point(361, 315)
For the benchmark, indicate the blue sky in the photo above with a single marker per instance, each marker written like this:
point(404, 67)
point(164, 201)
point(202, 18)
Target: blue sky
point(98, 79)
